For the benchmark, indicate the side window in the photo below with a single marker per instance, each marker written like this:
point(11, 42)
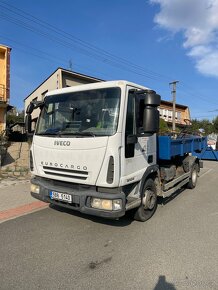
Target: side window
point(130, 125)
point(139, 111)
point(130, 115)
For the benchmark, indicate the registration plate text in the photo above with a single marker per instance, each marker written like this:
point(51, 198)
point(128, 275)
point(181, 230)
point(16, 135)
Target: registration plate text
point(61, 196)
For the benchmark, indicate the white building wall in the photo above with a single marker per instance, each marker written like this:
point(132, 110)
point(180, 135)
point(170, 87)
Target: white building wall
point(53, 83)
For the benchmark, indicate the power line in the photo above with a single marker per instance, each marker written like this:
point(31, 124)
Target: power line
point(76, 39)
point(51, 58)
point(87, 48)
point(69, 45)
point(197, 95)
point(22, 18)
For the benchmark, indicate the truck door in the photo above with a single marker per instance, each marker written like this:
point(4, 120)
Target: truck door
point(139, 151)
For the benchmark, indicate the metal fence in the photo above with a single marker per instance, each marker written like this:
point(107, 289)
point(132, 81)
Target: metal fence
point(2, 92)
point(3, 147)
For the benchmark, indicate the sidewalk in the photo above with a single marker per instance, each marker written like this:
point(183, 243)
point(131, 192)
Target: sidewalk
point(16, 199)
point(15, 184)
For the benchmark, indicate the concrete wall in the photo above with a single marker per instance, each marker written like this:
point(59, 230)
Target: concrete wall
point(70, 81)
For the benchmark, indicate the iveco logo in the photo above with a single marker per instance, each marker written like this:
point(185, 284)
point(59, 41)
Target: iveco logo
point(62, 143)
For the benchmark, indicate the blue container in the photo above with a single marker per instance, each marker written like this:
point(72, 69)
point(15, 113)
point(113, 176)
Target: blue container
point(208, 154)
point(168, 147)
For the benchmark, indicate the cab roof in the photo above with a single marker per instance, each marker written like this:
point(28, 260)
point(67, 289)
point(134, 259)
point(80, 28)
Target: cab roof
point(98, 85)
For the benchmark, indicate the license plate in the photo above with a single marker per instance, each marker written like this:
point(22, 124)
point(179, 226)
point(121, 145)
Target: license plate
point(61, 196)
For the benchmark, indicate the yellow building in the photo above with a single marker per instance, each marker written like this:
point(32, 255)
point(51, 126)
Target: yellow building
point(4, 84)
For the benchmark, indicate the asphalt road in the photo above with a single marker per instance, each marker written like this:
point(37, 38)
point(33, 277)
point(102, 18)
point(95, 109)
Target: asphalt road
point(59, 249)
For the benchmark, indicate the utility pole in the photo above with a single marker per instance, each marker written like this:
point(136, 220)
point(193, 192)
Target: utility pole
point(173, 92)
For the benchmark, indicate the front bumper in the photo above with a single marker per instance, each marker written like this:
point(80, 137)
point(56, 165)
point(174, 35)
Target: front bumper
point(81, 197)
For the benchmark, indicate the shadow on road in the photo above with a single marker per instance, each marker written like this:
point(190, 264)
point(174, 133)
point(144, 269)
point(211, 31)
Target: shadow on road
point(162, 284)
point(165, 200)
point(121, 222)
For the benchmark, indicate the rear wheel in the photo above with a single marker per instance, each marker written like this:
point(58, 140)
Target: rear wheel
point(193, 177)
point(149, 202)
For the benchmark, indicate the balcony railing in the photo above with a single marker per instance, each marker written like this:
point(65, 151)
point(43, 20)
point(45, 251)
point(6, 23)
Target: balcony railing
point(2, 93)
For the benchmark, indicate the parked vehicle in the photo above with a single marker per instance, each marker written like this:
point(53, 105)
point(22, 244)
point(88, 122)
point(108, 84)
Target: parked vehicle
point(96, 150)
point(212, 141)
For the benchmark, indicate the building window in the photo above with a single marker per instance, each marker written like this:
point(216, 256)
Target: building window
point(161, 112)
point(170, 114)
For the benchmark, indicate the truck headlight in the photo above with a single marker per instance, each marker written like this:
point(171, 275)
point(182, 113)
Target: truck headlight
point(106, 204)
point(35, 188)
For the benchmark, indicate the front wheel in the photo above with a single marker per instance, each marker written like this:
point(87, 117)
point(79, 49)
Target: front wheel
point(149, 202)
point(193, 177)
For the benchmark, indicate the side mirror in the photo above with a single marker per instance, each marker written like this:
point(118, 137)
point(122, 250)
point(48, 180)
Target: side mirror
point(131, 139)
point(151, 120)
point(147, 114)
point(151, 113)
point(30, 108)
point(28, 124)
point(34, 105)
point(28, 119)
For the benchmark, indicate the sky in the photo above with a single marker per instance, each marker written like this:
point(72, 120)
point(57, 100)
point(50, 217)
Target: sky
point(149, 42)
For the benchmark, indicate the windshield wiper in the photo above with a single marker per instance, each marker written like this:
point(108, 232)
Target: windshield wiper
point(47, 134)
point(62, 133)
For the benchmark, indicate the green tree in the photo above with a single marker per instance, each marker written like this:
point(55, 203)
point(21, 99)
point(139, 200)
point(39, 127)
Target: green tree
point(215, 124)
point(207, 126)
point(12, 118)
point(195, 125)
point(163, 127)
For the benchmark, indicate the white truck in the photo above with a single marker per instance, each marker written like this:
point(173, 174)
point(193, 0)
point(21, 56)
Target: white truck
point(96, 150)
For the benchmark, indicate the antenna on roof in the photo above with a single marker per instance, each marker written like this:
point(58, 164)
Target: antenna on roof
point(70, 65)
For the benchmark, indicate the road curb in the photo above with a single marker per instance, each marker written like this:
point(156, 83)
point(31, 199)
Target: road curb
point(22, 210)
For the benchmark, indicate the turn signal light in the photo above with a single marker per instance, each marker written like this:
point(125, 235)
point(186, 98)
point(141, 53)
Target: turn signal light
point(35, 188)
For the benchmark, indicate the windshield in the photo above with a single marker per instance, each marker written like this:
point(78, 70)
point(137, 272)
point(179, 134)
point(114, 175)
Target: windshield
point(85, 113)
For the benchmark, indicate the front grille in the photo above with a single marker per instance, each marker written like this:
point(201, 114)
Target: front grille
point(77, 174)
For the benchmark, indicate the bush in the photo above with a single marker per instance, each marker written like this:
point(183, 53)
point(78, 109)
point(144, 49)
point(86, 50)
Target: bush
point(163, 127)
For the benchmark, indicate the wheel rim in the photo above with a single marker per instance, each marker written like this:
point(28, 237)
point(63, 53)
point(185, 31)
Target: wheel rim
point(149, 200)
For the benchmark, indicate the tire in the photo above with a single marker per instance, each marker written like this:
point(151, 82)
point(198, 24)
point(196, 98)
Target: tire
point(193, 177)
point(149, 202)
